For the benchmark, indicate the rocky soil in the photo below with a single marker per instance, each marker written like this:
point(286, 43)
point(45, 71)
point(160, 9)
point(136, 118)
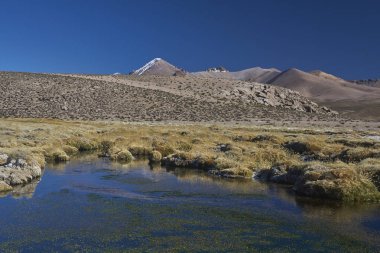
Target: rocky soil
point(14, 172)
point(149, 98)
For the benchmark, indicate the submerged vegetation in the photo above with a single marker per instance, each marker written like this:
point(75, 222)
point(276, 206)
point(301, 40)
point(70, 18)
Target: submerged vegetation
point(337, 164)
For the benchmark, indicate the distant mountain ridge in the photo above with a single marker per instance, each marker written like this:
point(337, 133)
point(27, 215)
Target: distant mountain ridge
point(352, 97)
point(316, 84)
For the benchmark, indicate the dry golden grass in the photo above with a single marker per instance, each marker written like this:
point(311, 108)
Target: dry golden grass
point(240, 150)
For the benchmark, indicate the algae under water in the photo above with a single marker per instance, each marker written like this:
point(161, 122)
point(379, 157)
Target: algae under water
point(94, 205)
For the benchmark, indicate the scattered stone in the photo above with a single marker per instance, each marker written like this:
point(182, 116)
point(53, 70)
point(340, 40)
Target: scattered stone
point(17, 172)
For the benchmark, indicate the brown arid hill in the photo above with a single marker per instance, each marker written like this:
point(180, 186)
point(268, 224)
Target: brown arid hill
point(325, 75)
point(151, 98)
point(356, 101)
point(322, 88)
point(257, 74)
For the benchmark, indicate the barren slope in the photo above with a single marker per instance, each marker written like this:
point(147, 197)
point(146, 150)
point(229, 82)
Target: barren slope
point(347, 98)
point(256, 74)
point(146, 98)
point(212, 89)
point(321, 88)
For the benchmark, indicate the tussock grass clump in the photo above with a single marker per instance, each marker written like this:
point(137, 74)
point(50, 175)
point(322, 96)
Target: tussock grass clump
point(370, 167)
point(271, 138)
point(222, 163)
point(190, 160)
point(184, 146)
point(83, 144)
point(57, 155)
point(236, 172)
point(140, 150)
point(344, 184)
point(163, 147)
point(122, 156)
point(262, 158)
point(155, 157)
point(70, 150)
point(356, 143)
point(235, 153)
point(106, 147)
point(304, 147)
point(358, 154)
point(314, 148)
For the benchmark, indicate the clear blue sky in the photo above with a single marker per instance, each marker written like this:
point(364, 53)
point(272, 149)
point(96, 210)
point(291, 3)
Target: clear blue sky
point(106, 36)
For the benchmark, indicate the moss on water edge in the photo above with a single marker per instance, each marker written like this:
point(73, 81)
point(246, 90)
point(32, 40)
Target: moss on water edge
point(222, 150)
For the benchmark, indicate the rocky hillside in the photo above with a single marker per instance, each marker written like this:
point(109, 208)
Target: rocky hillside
point(210, 89)
point(149, 98)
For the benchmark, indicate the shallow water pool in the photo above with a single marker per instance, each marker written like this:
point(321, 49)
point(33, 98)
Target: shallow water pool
point(93, 205)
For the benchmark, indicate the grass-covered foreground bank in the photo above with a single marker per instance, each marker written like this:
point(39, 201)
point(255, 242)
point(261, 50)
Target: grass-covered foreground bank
point(338, 164)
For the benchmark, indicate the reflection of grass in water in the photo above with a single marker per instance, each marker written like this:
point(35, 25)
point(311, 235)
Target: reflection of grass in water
point(117, 224)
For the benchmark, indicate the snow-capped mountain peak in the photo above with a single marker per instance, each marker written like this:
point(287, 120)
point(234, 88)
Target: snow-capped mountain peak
point(147, 66)
point(159, 67)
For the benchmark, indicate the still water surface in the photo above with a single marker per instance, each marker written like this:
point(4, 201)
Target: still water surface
point(93, 205)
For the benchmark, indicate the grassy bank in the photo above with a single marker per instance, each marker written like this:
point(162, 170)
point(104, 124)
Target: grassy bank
point(333, 163)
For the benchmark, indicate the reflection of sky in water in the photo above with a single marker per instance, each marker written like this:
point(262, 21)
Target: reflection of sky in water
point(93, 203)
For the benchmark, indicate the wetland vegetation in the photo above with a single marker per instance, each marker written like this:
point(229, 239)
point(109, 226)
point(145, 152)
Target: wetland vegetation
point(338, 164)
